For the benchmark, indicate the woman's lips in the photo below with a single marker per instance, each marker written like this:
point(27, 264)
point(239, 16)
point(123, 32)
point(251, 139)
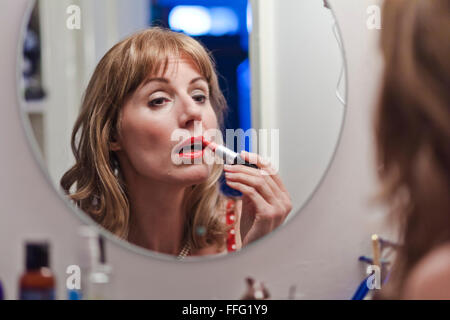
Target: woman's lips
point(192, 148)
point(192, 154)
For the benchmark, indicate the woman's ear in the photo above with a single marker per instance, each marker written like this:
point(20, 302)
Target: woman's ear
point(114, 144)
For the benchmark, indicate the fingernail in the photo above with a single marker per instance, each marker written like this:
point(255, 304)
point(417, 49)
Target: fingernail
point(227, 167)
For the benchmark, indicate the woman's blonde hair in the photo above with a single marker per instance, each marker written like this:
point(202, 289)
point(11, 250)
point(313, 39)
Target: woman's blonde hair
point(412, 129)
point(100, 189)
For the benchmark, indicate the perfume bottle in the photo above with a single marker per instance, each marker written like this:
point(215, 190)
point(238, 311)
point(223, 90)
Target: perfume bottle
point(100, 275)
point(96, 273)
point(38, 282)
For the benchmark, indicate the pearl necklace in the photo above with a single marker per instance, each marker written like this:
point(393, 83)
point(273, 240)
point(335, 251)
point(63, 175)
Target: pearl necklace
point(185, 251)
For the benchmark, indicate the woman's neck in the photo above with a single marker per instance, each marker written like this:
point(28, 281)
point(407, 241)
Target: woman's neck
point(156, 216)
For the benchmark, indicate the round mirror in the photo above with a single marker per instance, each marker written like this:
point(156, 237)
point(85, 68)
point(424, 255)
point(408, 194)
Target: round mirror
point(138, 112)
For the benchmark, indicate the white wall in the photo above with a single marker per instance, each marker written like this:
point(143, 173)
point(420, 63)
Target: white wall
point(69, 58)
point(317, 250)
point(295, 76)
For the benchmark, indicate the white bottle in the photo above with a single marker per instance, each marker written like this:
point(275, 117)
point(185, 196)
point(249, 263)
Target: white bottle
point(95, 273)
point(100, 276)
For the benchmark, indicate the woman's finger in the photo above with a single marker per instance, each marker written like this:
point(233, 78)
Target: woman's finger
point(257, 182)
point(258, 201)
point(264, 164)
point(274, 214)
point(254, 158)
point(269, 173)
point(255, 172)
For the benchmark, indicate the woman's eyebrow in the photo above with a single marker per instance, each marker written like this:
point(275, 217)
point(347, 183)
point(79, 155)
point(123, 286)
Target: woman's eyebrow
point(198, 79)
point(163, 80)
point(166, 81)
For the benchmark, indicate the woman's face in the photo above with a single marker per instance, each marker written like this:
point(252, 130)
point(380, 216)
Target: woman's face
point(162, 105)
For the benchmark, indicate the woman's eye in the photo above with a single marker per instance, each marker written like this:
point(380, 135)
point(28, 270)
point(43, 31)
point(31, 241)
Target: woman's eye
point(199, 98)
point(158, 102)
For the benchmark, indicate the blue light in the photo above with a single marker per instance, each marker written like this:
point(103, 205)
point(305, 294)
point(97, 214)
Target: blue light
point(200, 20)
point(249, 18)
point(193, 20)
point(244, 89)
point(224, 21)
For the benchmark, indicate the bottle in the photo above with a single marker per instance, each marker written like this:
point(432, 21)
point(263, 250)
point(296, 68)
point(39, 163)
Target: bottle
point(2, 294)
point(38, 282)
point(96, 273)
point(100, 275)
point(255, 290)
point(74, 294)
point(87, 255)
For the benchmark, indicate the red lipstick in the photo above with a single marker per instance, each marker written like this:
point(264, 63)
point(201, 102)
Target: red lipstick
point(227, 155)
point(192, 148)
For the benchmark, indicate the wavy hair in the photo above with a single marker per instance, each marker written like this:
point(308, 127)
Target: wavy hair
point(98, 187)
point(412, 129)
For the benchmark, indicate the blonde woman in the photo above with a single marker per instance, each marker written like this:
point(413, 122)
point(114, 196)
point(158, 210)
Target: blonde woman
point(146, 87)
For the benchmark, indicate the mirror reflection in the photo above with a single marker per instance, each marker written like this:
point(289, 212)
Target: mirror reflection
point(152, 117)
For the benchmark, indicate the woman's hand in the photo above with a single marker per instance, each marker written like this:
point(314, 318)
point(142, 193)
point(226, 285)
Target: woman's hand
point(265, 202)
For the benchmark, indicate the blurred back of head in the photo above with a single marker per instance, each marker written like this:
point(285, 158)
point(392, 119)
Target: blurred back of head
point(412, 127)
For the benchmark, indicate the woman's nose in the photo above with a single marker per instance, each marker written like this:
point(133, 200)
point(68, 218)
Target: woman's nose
point(191, 113)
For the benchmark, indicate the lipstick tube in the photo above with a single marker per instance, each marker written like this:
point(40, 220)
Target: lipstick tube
point(228, 155)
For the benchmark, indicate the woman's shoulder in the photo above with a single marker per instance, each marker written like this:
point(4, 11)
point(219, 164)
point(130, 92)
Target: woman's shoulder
point(430, 278)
